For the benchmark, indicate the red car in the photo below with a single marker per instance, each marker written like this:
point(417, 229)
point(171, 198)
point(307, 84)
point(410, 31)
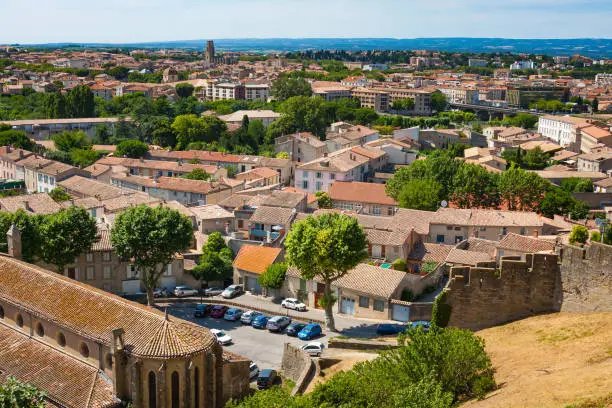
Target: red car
point(218, 311)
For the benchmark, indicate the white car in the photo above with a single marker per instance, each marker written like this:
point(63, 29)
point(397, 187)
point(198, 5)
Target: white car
point(253, 370)
point(291, 303)
point(222, 338)
point(314, 349)
point(181, 291)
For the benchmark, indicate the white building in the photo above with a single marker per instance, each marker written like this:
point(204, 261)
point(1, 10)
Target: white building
point(563, 130)
point(461, 95)
point(523, 65)
point(480, 63)
point(255, 91)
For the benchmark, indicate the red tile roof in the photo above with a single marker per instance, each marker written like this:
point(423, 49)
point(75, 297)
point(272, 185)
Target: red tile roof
point(256, 258)
point(360, 192)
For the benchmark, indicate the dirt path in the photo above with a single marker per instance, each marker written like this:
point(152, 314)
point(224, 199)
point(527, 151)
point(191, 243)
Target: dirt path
point(550, 361)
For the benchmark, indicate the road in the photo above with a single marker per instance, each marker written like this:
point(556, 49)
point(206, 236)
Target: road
point(260, 346)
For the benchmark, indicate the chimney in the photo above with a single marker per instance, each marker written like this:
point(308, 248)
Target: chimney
point(13, 240)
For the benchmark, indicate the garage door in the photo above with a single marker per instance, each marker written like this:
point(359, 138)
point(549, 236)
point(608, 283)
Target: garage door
point(168, 282)
point(130, 287)
point(252, 285)
point(401, 313)
point(348, 306)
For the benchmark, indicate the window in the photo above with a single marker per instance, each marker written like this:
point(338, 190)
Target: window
point(61, 339)
point(90, 273)
point(376, 210)
point(84, 350)
point(390, 211)
point(106, 256)
point(175, 390)
point(94, 212)
point(40, 330)
point(51, 180)
point(483, 229)
point(458, 238)
point(1, 312)
point(19, 320)
point(40, 178)
point(346, 206)
point(364, 301)
point(305, 185)
point(131, 272)
point(319, 174)
point(449, 228)
point(46, 178)
point(319, 186)
point(332, 176)
point(457, 228)
point(439, 238)
point(523, 230)
point(304, 174)
point(107, 272)
point(379, 305)
point(152, 390)
point(89, 257)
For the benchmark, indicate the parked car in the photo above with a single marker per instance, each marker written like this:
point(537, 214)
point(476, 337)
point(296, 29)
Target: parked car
point(181, 291)
point(266, 378)
point(278, 323)
point(310, 331)
point(222, 337)
point(253, 370)
point(232, 291)
point(292, 303)
point(249, 316)
point(202, 310)
point(260, 321)
point(233, 314)
point(389, 329)
point(218, 311)
point(425, 325)
point(212, 291)
point(294, 328)
point(163, 292)
point(314, 349)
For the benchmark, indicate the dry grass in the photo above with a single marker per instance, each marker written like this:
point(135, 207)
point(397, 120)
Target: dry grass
point(555, 360)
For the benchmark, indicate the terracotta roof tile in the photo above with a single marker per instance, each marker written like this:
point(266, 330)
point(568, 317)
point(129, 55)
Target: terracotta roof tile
point(256, 258)
point(360, 192)
point(521, 243)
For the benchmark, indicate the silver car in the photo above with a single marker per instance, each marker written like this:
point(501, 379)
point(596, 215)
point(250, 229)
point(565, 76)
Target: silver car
point(248, 316)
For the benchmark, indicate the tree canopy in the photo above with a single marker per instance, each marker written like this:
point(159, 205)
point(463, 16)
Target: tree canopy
point(216, 260)
point(17, 394)
point(274, 276)
point(285, 87)
point(133, 149)
point(325, 248)
point(151, 236)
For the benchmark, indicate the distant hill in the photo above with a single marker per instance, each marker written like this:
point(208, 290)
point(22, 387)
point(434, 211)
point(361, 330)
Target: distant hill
point(583, 46)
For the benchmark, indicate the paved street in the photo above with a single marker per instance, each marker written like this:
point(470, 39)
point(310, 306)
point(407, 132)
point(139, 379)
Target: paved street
point(261, 346)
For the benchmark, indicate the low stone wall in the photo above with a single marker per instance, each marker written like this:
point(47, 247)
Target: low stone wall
point(298, 367)
point(236, 376)
point(353, 344)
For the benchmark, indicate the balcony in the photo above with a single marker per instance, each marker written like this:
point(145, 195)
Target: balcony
point(264, 234)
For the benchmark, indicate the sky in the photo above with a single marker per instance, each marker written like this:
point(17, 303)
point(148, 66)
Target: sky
point(126, 21)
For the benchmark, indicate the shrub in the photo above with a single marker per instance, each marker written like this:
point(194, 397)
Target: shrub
point(579, 235)
point(596, 236)
point(407, 295)
point(429, 267)
point(441, 311)
point(400, 265)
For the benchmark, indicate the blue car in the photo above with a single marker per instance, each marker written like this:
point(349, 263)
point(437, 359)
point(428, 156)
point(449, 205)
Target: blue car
point(310, 331)
point(425, 325)
point(389, 329)
point(260, 322)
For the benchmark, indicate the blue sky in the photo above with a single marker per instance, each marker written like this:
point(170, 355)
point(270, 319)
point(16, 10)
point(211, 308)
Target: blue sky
point(42, 21)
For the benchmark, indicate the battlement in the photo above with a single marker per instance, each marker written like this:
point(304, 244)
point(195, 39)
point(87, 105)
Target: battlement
point(486, 296)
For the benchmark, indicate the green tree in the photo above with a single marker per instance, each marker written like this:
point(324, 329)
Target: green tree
point(184, 90)
point(326, 248)
point(595, 105)
point(216, 260)
point(438, 101)
point(556, 202)
point(119, 72)
point(475, 187)
point(59, 195)
point(55, 106)
point(579, 235)
point(303, 114)
point(283, 155)
point(151, 237)
point(285, 88)
point(197, 174)
point(17, 394)
point(274, 276)
point(103, 134)
point(576, 185)
point(65, 235)
point(256, 133)
point(596, 236)
point(536, 159)
point(83, 157)
point(81, 102)
point(324, 200)
point(15, 138)
point(131, 148)
point(416, 170)
point(403, 104)
point(365, 116)
point(66, 141)
point(522, 190)
point(163, 134)
point(421, 194)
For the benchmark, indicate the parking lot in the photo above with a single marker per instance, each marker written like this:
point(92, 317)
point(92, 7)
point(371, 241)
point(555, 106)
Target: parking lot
point(261, 346)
